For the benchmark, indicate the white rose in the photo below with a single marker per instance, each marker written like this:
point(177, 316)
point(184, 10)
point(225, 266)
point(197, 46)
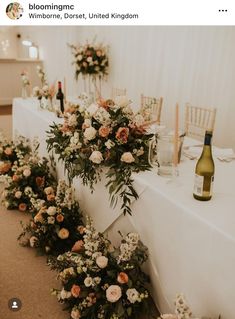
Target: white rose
point(18, 194)
point(102, 261)
point(127, 157)
point(50, 220)
point(96, 157)
point(88, 281)
point(109, 144)
point(64, 294)
point(32, 241)
point(51, 210)
point(113, 293)
point(89, 59)
point(97, 280)
point(90, 133)
point(92, 109)
point(132, 295)
point(75, 314)
point(45, 88)
point(79, 57)
point(27, 172)
point(87, 123)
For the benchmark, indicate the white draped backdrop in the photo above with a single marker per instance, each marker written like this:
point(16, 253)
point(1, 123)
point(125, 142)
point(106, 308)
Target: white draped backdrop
point(182, 64)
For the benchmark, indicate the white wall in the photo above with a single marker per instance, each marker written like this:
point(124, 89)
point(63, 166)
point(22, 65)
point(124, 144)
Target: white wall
point(52, 42)
point(182, 64)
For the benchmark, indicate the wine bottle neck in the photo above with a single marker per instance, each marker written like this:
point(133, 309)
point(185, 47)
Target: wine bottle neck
point(207, 140)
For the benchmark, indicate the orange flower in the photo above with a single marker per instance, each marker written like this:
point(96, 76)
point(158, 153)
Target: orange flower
point(122, 134)
point(78, 246)
point(15, 178)
point(40, 181)
point(8, 151)
point(104, 131)
point(22, 207)
point(98, 53)
point(39, 217)
point(59, 218)
point(122, 278)
point(50, 197)
point(5, 167)
point(75, 291)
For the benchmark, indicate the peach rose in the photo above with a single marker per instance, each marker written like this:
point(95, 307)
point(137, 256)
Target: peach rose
point(113, 293)
point(5, 167)
point(122, 134)
point(122, 278)
point(15, 178)
point(75, 291)
point(81, 229)
point(63, 233)
point(22, 207)
point(8, 151)
point(104, 131)
point(40, 181)
point(38, 218)
point(101, 261)
point(78, 246)
point(49, 190)
point(50, 197)
point(59, 218)
point(75, 314)
point(27, 172)
point(65, 128)
point(127, 157)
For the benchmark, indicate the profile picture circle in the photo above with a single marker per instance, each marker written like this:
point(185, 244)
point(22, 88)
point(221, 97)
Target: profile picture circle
point(14, 10)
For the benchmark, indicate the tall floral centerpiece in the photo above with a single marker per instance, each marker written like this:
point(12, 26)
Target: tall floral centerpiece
point(25, 83)
point(45, 93)
point(99, 281)
point(105, 134)
point(91, 61)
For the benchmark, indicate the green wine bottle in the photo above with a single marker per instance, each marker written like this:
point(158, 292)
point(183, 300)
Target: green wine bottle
point(204, 172)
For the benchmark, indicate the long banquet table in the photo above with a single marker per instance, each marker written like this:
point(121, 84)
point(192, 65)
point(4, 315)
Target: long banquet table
point(191, 243)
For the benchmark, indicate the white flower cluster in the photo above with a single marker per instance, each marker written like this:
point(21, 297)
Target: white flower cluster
point(181, 308)
point(64, 195)
point(128, 247)
point(102, 116)
point(42, 75)
point(24, 79)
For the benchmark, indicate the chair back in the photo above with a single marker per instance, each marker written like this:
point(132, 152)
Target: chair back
point(118, 92)
point(151, 108)
point(198, 120)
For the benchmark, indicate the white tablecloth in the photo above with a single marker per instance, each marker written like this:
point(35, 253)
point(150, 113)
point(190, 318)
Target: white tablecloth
point(191, 243)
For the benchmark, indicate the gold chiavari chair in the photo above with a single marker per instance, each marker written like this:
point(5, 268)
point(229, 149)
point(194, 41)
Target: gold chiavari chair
point(151, 108)
point(198, 120)
point(118, 92)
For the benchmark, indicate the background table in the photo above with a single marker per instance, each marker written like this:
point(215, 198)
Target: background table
point(191, 243)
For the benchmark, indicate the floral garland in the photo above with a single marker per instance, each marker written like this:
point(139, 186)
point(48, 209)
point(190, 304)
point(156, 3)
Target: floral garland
point(182, 310)
point(90, 59)
point(102, 282)
point(103, 135)
point(12, 152)
point(27, 181)
point(57, 223)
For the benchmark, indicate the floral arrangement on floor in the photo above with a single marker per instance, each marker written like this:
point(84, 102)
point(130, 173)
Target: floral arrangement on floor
point(57, 224)
point(103, 135)
point(90, 59)
point(99, 281)
point(182, 310)
point(12, 152)
point(28, 180)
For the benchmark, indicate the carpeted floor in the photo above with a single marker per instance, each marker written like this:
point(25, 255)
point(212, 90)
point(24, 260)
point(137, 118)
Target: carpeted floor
point(24, 276)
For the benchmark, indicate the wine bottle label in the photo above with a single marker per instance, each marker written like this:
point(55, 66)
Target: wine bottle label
point(198, 185)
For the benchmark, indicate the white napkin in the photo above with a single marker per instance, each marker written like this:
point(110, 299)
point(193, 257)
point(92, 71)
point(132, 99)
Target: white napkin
point(223, 154)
